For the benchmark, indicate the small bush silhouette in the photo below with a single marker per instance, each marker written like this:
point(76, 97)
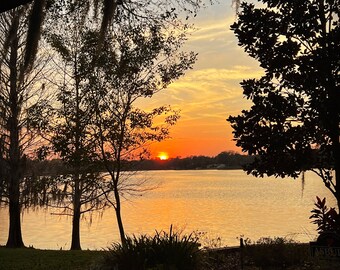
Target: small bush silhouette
point(159, 252)
point(275, 252)
point(327, 219)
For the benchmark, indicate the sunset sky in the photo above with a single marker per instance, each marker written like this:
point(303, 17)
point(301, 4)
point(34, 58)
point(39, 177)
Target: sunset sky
point(210, 92)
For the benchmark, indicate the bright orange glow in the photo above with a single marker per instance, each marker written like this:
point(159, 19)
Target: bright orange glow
point(163, 156)
point(209, 93)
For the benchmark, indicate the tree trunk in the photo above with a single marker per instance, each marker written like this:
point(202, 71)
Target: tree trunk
point(332, 120)
point(119, 217)
point(334, 106)
point(15, 166)
point(336, 152)
point(14, 233)
point(75, 245)
point(337, 190)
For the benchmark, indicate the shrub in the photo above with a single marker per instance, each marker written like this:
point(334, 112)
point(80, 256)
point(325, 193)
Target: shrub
point(327, 219)
point(275, 252)
point(163, 251)
point(207, 241)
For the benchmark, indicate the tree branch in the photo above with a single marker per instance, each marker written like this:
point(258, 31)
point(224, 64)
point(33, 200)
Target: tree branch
point(10, 4)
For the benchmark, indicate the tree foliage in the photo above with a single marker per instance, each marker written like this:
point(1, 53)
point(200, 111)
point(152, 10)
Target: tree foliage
point(70, 127)
point(106, 10)
point(139, 60)
point(293, 124)
point(327, 219)
point(9, 4)
point(21, 97)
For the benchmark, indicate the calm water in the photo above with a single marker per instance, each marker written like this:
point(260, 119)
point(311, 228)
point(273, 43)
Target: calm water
point(222, 203)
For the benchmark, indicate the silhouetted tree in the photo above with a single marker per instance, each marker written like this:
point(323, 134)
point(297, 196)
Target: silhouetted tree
point(70, 130)
point(232, 159)
point(138, 61)
point(21, 100)
point(293, 124)
point(107, 10)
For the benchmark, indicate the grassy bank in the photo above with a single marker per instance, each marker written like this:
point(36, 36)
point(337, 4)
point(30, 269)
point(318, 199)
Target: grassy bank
point(35, 259)
point(291, 256)
point(286, 256)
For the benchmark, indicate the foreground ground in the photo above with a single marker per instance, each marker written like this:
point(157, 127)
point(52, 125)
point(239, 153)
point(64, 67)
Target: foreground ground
point(35, 259)
point(296, 257)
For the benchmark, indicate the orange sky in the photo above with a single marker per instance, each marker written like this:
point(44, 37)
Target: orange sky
point(210, 92)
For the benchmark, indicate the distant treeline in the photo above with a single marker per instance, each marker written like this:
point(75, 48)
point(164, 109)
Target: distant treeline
point(224, 160)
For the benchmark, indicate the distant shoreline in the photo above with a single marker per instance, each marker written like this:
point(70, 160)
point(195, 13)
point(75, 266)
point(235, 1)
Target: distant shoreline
point(223, 161)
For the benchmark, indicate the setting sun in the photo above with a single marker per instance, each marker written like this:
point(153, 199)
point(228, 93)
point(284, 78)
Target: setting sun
point(163, 156)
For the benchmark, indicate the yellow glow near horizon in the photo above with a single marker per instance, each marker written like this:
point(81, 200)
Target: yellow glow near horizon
point(163, 156)
point(209, 93)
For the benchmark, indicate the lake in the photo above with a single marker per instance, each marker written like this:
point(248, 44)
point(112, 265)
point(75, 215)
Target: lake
point(222, 203)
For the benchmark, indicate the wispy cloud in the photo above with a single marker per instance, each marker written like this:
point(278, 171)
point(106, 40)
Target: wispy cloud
point(206, 89)
point(208, 32)
point(210, 92)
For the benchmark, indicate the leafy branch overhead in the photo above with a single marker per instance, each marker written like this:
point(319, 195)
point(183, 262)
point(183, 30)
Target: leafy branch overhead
point(293, 122)
point(104, 11)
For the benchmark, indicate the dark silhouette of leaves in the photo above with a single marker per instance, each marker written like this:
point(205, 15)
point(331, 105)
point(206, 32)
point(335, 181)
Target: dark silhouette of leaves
point(293, 123)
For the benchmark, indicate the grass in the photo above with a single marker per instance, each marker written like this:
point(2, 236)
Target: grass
point(35, 259)
point(265, 256)
point(269, 256)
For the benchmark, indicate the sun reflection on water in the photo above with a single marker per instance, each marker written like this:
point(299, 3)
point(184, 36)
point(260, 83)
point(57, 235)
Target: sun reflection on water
point(223, 203)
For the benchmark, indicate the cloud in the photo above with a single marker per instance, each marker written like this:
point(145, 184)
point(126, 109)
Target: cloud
point(206, 98)
point(210, 92)
point(206, 89)
point(211, 32)
point(213, 75)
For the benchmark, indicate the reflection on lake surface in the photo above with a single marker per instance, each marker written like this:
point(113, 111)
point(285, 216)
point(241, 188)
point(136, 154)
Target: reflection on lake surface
point(222, 203)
